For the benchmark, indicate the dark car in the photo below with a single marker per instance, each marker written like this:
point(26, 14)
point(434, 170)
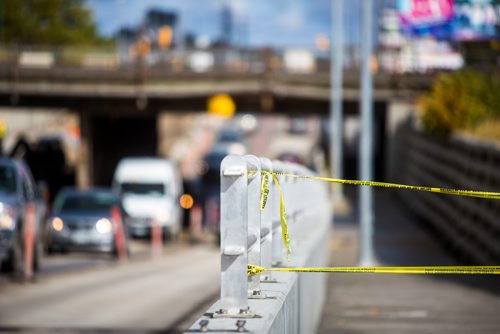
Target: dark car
point(211, 189)
point(18, 204)
point(230, 135)
point(230, 140)
point(83, 220)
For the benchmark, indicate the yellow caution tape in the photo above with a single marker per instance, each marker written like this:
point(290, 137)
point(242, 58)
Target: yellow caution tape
point(423, 270)
point(284, 225)
point(264, 191)
point(457, 192)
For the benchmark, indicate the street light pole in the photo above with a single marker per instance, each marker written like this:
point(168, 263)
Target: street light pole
point(366, 142)
point(336, 117)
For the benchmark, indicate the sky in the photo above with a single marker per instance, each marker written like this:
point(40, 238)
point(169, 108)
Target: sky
point(276, 23)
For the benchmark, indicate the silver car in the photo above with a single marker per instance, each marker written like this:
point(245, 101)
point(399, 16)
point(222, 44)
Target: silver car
point(82, 220)
point(17, 196)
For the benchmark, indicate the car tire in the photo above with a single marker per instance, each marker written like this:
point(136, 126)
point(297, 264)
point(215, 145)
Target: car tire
point(37, 260)
point(171, 234)
point(14, 263)
point(49, 250)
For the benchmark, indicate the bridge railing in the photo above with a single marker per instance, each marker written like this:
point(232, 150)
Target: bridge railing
point(250, 235)
point(118, 64)
point(227, 59)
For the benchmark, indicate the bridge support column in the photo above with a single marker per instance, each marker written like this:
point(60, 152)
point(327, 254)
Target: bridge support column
point(84, 170)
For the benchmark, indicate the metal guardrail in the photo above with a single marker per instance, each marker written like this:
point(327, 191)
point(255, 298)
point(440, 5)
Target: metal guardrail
point(233, 60)
point(469, 226)
point(252, 236)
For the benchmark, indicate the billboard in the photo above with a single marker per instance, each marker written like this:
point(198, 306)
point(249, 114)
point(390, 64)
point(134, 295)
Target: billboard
point(476, 19)
point(425, 13)
point(450, 19)
point(426, 17)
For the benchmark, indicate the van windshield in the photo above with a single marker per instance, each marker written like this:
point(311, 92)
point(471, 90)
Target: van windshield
point(149, 189)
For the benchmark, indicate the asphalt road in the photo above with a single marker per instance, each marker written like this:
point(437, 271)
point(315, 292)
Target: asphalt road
point(80, 293)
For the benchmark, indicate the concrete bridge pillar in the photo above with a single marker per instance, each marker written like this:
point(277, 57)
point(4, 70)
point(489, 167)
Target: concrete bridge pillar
point(106, 138)
point(84, 168)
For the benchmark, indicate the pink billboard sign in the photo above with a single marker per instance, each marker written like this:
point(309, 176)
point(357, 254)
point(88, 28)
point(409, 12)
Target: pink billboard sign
point(425, 12)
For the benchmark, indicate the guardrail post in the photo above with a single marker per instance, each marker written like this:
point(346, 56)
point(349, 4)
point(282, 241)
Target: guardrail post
point(266, 219)
point(254, 184)
point(234, 235)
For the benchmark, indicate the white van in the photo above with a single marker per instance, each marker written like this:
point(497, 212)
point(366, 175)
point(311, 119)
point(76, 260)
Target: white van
point(149, 189)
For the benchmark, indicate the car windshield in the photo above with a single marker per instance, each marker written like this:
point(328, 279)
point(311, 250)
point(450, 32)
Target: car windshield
point(150, 189)
point(7, 179)
point(93, 202)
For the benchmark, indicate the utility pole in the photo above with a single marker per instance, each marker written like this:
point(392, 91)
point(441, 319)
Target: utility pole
point(366, 142)
point(336, 117)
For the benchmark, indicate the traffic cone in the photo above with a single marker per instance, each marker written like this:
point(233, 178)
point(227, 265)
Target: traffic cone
point(29, 241)
point(156, 238)
point(119, 233)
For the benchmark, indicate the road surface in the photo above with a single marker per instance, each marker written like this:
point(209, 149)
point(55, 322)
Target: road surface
point(140, 295)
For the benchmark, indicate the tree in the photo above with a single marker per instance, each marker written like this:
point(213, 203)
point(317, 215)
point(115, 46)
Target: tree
point(460, 100)
point(47, 22)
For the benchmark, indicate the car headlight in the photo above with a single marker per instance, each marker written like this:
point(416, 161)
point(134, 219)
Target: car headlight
point(6, 221)
point(57, 224)
point(7, 217)
point(103, 226)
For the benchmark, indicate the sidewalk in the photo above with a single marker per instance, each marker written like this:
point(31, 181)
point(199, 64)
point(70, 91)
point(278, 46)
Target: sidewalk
point(369, 303)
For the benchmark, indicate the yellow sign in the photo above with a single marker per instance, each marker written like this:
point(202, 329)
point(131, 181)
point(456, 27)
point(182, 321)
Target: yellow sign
point(3, 129)
point(221, 105)
point(165, 36)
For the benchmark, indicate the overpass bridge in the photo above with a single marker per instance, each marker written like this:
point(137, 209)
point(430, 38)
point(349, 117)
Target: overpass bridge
point(124, 101)
point(154, 90)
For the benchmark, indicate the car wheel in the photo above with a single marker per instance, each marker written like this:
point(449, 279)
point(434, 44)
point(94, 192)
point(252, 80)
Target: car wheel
point(14, 263)
point(175, 236)
point(37, 260)
point(50, 250)
point(171, 234)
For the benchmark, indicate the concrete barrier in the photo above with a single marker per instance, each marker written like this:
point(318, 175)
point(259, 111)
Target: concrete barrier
point(281, 302)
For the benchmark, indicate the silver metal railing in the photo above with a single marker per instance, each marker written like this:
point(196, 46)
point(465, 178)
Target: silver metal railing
point(252, 236)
